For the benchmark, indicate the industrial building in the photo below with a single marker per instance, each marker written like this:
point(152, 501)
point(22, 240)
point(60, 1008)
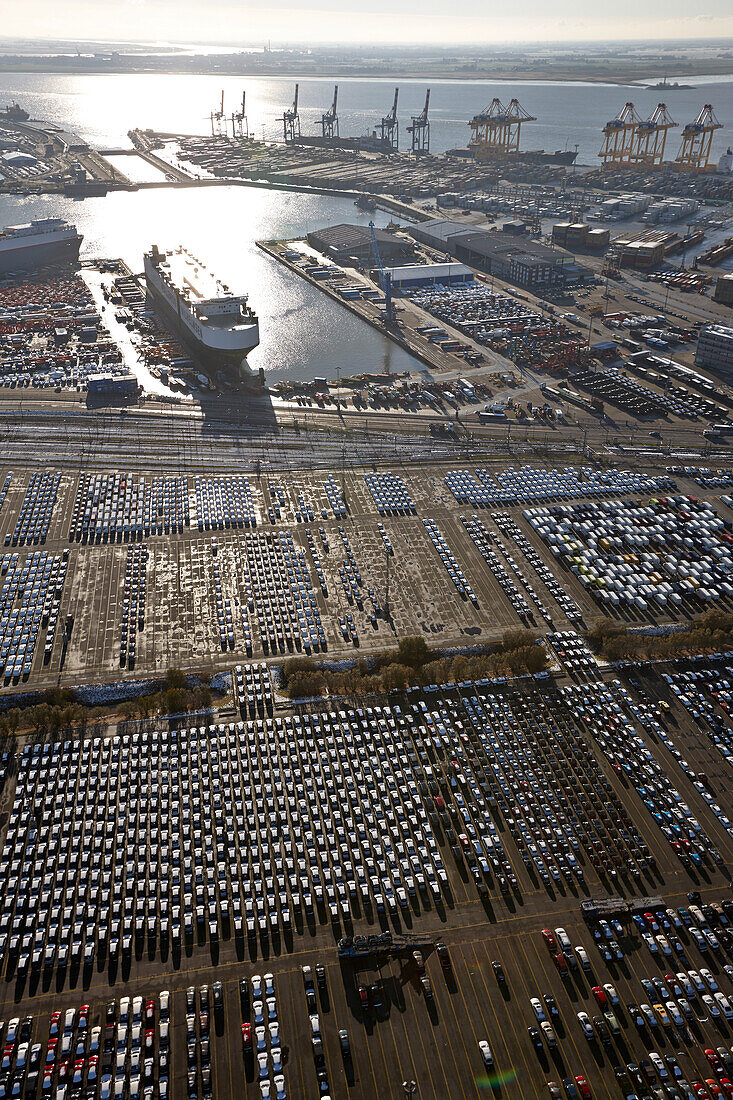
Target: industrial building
point(580, 237)
point(353, 245)
point(715, 349)
point(724, 289)
point(428, 274)
point(525, 263)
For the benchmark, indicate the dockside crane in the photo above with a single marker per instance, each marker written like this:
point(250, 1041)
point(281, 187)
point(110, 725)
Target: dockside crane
point(218, 120)
point(419, 131)
point(390, 127)
point(291, 122)
point(240, 126)
point(330, 120)
point(496, 131)
point(620, 137)
point(697, 140)
point(651, 138)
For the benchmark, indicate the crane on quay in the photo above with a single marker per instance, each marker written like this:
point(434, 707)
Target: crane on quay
point(240, 126)
point(291, 122)
point(697, 140)
point(620, 137)
point(218, 120)
point(495, 131)
point(330, 120)
point(651, 136)
point(390, 127)
point(419, 131)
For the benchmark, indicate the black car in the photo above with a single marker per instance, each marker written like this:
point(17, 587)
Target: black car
point(344, 1043)
point(375, 995)
point(535, 1037)
point(244, 997)
point(499, 972)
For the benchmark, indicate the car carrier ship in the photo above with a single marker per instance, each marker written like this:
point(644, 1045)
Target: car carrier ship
point(218, 327)
point(44, 243)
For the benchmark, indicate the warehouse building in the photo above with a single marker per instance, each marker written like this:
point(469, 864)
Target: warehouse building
point(352, 245)
point(715, 349)
point(724, 289)
point(428, 274)
point(522, 262)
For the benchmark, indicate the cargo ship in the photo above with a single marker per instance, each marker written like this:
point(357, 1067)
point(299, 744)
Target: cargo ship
point(218, 327)
point(14, 113)
point(43, 243)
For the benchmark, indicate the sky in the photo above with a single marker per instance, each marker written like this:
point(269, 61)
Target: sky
point(386, 21)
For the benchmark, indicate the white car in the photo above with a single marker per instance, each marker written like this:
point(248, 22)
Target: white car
point(659, 1065)
point(563, 939)
point(486, 1054)
point(279, 1083)
point(709, 980)
point(587, 1026)
point(262, 1062)
point(724, 1005)
point(611, 994)
point(537, 1008)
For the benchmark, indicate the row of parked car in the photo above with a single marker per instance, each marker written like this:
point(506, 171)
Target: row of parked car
point(30, 600)
point(36, 510)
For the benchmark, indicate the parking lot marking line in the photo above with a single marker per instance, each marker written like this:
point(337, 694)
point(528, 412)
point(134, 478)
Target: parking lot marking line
point(459, 1031)
point(570, 1029)
point(510, 1019)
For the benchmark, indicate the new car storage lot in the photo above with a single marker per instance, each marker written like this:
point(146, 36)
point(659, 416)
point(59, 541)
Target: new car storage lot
point(183, 622)
point(407, 1039)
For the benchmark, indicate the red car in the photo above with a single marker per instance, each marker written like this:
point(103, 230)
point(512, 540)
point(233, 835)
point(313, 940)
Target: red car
point(364, 996)
point(562, 966)
point(727, 1086)
point(549, 937)
point(55, 1019)
point(150, 1012)
point(51, 1051)
point(600, 996)
point(700, 1090)
point(150, 1038)
point(714, 1060)
point(651, 921)
point(247, 1038)
point(63, 1069)
point(83, 1017)
point(714, 1087)
point(583, 1086)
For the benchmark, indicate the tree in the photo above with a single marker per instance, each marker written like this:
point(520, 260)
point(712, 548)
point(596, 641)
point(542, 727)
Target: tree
point(413, 651)
point(395, 677)
point(175, 678)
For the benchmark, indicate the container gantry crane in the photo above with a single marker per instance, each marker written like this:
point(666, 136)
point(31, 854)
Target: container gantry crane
point(651, 138)
point(620, 137)
point(495, 131)
point(218, 120)
point(390, 127)
point(419, 131)
point(330, 120)
point(697, 139)
point(291, 122)
point(240, 126)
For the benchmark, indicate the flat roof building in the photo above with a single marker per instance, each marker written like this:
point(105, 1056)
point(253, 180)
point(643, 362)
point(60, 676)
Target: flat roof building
point(715, 349)
point(352, 245)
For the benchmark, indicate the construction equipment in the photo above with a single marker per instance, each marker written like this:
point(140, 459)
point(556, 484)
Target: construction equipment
point(620, 137)
point(697, 139)
point(495, 131)
point(330, 120)
point(419, 131)
point(291, 122)
point(218, 120)
point(240, 126)
point(380, 946)
point(390, 127)
point(651, 138)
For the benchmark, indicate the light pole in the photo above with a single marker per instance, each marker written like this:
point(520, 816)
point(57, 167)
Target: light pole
point(410, 1087)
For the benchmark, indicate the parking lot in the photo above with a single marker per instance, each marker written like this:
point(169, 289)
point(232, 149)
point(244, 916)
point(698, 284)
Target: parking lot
point(136, 863)
point(344, 562)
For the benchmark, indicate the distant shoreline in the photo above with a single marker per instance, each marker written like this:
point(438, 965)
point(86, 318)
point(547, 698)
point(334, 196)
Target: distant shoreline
point(622, 74)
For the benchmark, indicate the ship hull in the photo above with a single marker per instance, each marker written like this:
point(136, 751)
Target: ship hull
point(233, 363)
point(30, 257)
